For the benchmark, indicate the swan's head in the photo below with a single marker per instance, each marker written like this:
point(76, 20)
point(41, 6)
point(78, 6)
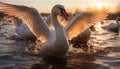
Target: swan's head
point(60, 10)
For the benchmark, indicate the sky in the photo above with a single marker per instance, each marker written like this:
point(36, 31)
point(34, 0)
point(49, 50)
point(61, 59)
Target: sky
point(46, 5)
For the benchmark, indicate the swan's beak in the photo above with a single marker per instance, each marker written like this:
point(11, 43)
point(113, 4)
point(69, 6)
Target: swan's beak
point(64, 15)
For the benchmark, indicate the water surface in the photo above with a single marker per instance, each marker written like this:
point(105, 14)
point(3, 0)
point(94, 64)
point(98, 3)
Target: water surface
point(106, 56)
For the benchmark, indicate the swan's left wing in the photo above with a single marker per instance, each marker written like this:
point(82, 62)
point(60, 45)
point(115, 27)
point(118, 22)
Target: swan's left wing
point(82, 21)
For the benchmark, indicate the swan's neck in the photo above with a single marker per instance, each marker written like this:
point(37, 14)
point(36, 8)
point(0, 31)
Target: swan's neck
point(59, 46)
point(58, 28)
point(55, 22)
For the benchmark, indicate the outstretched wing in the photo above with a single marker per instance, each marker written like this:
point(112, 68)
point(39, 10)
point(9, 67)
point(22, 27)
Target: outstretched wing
point(82, 21)
point(30, 16)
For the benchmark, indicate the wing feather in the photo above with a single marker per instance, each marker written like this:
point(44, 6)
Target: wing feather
point(82, 21)
point(30, 16)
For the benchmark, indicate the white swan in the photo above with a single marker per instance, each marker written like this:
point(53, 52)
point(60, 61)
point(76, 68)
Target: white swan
point(55, 42)
point(113, 27)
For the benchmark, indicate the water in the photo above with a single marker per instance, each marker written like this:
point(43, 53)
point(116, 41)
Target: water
point(105, 55)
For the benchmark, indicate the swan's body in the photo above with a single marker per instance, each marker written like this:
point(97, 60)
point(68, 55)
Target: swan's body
point(113, 27)
point(54, 41)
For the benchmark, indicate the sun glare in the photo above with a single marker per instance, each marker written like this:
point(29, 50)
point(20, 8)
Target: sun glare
point(99, 6)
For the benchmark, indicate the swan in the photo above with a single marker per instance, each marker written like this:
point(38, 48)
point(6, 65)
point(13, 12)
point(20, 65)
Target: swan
point(113, 27)
point(55, 42)
point(82, 38)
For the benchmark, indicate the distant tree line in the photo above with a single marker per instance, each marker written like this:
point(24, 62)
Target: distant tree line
point(114, 15)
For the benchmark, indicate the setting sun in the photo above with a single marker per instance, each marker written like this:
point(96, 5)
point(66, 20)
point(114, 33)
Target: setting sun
point(99, 6)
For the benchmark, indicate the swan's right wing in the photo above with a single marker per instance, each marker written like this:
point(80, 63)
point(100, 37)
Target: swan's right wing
point(82, 21)
point(30, 16)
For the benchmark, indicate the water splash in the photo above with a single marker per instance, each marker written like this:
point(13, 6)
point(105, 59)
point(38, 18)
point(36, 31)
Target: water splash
point(33, 48)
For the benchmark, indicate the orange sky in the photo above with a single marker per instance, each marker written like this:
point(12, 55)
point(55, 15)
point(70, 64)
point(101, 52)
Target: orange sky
point(46, 5)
